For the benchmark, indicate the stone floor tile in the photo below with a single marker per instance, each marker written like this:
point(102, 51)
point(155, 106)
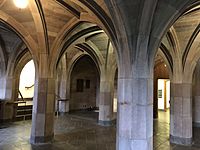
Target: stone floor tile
point(80, 131)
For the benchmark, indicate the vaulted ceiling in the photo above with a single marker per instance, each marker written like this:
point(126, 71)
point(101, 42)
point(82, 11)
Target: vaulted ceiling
point(56, 16)
point(182, 36)
point(53, 17)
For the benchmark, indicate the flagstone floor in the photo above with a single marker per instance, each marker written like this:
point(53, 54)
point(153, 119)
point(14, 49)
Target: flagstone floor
point(79, 131)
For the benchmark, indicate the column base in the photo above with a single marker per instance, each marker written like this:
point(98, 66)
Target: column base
point(41, 139)
point(64, 106)
point(107, 123)
point(180, 141)
point(131, 144)
point(61, 113)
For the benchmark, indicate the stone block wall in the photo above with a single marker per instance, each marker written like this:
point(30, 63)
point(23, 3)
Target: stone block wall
point(86, 71)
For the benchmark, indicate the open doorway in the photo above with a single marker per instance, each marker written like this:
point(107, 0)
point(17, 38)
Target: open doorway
point(163, 94)
point(161, 106)
point(161, 89)
point(163, 100)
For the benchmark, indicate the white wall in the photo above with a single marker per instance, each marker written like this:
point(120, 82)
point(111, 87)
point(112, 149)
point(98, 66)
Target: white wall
point(161, 100)
point(161, 86)
point(168, 93)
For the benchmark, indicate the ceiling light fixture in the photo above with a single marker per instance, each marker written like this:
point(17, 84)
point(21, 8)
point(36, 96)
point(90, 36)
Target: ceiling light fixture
point(21, 3)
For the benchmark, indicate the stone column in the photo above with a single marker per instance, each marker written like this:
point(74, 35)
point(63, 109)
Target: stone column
point(42, 130)
point(10, 88)
point(196, 97)
point(63, 89)
point(64, 102)
point(43, 111)
point(196, 106)
point(106, 102)
point(2, 87)
point(181, 113)
point(135, 113)
point(7, 90)
point(16, 88)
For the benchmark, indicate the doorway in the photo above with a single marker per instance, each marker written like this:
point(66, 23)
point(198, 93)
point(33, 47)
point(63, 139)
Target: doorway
point(163, 94)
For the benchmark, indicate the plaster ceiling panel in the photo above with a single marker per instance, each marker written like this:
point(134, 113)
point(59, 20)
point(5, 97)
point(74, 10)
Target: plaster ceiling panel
point(81, 27)
point(101, 41)
point(103, 5)
point(74, 5)
point(23, 16)
point(185, 26)
point(10, 40)
point(56, 17)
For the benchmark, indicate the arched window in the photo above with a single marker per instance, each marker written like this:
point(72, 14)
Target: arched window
point(27, 79)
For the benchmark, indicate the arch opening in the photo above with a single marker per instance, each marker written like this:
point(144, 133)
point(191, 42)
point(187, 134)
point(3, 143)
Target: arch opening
point(85, 40)
point(84, 85)
point(179, 47)
point(27, 80)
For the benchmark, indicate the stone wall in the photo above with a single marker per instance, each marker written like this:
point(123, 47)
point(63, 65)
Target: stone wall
point(85, 97)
